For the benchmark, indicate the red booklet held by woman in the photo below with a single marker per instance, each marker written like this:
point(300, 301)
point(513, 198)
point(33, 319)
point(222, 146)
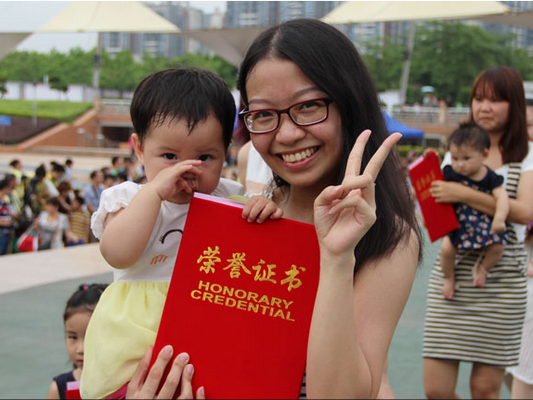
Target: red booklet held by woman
point(439, 218)
point(240, 301)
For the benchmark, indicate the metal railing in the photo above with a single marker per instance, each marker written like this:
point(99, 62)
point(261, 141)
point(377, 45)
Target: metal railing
point(412, 115)
point(114, 107)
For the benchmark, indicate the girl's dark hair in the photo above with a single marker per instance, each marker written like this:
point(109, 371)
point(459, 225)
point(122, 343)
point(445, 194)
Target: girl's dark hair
point(183, 93)
point(505, 83)
point(330, 60)
point(84, 299)
point(54, 201)
point(470, 134)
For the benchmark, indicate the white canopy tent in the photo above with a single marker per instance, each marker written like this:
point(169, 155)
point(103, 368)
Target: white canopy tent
point(352, 12)
point(108, 16)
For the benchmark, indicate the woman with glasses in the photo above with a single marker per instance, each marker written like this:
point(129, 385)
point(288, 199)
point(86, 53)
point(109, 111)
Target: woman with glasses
point(314, 117)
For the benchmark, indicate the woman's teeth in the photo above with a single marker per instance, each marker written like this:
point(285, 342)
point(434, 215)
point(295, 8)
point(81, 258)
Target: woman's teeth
point(297, 157)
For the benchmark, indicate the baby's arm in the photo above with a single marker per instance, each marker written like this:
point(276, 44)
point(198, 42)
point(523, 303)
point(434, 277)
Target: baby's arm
point(259, 208)
point(127, 232)
point(502, 210)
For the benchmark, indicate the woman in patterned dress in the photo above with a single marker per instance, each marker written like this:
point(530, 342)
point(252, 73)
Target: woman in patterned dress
point(483, 325)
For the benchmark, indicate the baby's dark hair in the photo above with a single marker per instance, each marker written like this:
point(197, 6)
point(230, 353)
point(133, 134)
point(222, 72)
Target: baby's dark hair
point(84, 299)
point(470, 134)
point(183, 93)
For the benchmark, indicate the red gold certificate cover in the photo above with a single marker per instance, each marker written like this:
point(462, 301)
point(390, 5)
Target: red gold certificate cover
point(240, 301)
point(439, 218)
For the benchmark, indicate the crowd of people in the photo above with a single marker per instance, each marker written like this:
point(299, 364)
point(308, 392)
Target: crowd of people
point(326, 158)
point(53, 203)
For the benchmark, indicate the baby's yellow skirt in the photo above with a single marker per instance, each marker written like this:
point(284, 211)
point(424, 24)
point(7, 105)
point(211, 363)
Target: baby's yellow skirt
point(123, 325)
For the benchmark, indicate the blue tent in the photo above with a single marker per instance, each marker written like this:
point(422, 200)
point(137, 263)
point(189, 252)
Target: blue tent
point(407, 131)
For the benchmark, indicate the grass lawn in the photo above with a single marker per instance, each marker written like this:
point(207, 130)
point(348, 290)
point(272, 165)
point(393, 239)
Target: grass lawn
point(65, 111)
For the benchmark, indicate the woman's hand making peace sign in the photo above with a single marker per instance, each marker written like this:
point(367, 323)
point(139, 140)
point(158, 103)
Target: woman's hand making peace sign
point(345, 213)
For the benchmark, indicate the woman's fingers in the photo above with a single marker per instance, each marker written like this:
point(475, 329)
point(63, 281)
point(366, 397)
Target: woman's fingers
point(329, 196)
point(156, 373)
point(355, 201)
point(140, 373)
point(174, 377)
point(376, 162)
point(353, 167)
point(186, 383)
point(200, 393)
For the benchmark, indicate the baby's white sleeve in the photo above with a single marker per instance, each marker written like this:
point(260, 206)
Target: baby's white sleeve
point(112, 200)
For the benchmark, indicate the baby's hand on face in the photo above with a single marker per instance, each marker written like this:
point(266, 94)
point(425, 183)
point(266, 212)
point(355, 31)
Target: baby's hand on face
point(171, 180)
point(498, 227)
point(259, 209)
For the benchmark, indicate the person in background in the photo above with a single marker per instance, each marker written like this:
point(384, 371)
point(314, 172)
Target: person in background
point(78, 312)
point(17, 192)
point(80, 220)
point(522, 374)
point(109, 180)
point(254, 173)
point(52, 226)
point(65, 197)
point(57, 173)
point(6, 219)
point(69, 164)
point(93, 191)
point(469, 147)
point(40, 190)
point(16, 169)
point(483, 325)
point(117, 165)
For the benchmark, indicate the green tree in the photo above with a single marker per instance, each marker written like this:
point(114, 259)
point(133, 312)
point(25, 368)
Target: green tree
point(58, 84)
point(120, 72)
point(74, 68)
point(384, 63)
point(213, 63)
point(3, 88)
point(24, 66)
point(449, 55)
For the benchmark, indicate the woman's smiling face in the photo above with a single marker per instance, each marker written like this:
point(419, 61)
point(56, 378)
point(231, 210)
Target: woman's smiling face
point(303, 156)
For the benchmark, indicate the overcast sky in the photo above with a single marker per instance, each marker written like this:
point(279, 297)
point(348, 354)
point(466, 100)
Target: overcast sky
point(27, 16)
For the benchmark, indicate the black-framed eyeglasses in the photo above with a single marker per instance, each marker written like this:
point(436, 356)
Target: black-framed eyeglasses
point(305, 113)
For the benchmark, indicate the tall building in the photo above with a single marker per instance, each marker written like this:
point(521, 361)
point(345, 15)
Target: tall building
point(179, 13)
point(523, 38)
point(264, 13)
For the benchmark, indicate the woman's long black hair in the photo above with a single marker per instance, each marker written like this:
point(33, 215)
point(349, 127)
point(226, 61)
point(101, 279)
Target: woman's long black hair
point(330, 60)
